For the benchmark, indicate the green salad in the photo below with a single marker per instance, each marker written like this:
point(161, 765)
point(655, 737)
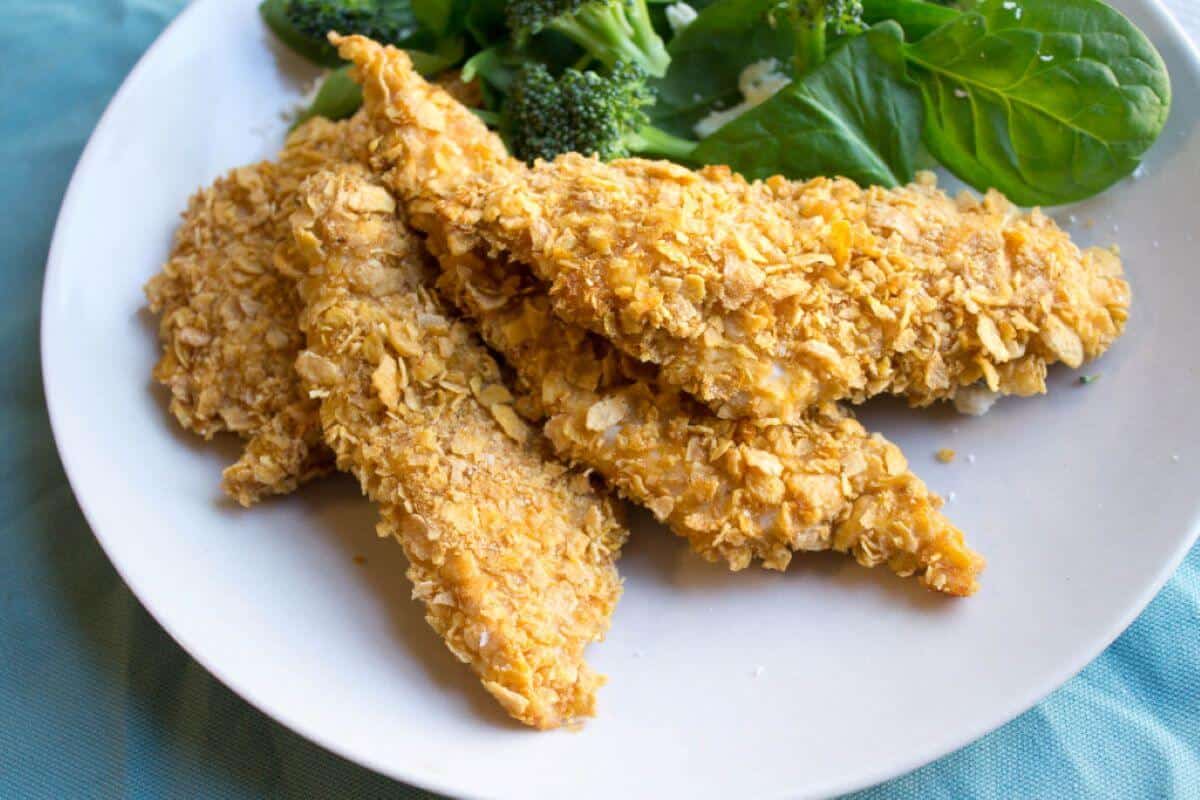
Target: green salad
point(1049, 101)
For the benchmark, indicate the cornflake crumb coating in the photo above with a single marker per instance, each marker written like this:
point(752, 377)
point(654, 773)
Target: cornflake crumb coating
point(511, 552)
point(763, 298)
point(229, 305)
point(737, 490)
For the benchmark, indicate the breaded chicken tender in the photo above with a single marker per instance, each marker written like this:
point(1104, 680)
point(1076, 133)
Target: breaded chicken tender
point(511, 552)
point(737, 491)
point(229, 306)
point(764, 298)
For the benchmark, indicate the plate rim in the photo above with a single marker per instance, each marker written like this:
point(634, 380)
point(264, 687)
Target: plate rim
point(412, 774)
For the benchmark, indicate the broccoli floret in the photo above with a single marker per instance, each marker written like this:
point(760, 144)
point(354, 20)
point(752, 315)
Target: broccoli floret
point(585, 112)
point(815, 21)
point(304, 24)
point(386, 21)
point(610, 31)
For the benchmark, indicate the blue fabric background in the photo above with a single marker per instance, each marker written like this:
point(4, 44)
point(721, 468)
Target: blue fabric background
point(97, 701)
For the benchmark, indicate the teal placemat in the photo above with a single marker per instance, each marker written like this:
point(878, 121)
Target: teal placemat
point(97, 702)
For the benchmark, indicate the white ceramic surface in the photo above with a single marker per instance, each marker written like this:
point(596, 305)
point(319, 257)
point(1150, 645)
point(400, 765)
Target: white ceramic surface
point(824, 679)
point(1187, 14)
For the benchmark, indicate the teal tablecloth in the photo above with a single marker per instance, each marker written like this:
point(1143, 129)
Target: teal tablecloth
point(96, 701)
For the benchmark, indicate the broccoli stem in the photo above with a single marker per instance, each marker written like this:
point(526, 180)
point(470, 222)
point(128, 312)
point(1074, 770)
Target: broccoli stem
point(651, 141)
point(809, 22)
point(649, 41)
point(606, 31)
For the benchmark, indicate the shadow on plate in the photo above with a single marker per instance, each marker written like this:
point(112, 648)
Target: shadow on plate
point(655, 554)
point(336, 506)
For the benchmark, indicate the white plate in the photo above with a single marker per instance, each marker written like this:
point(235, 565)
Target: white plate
point(824, 679)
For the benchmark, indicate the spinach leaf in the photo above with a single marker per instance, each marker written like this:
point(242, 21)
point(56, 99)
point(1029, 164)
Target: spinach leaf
point(917, 17)
point(485, 22)
point(444, 17)
point(339, 97)
point(274, 14)
point(1049, 101)
point(658, 14)
point(855, 116)
point(710, 54)
point(444, 43)
point(448, 53)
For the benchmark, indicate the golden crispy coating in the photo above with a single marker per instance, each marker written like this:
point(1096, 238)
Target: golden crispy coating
point(229, 305)
point(511, 552)
point(736, 490)
point(764, 298)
